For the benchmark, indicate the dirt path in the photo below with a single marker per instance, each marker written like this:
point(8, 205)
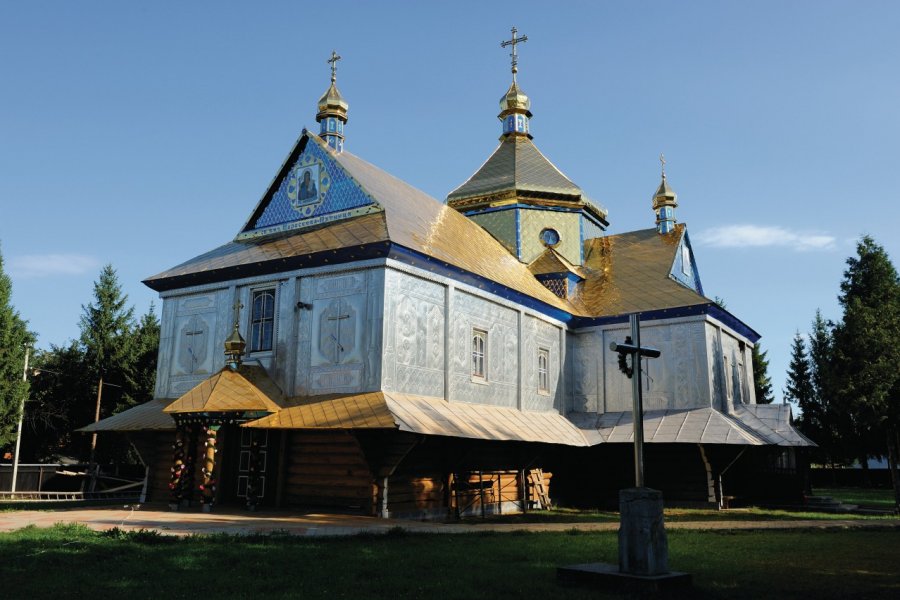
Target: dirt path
point(193, 521)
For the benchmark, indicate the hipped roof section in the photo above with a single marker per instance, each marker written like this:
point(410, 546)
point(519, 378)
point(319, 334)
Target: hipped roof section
point(518, 167)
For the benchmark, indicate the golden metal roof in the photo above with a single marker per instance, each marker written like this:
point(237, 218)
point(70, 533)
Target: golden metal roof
point(333, 411)
point(424, 415)
point(248, 389)
point(146, 416)
point(551, 261)
point(629, 272)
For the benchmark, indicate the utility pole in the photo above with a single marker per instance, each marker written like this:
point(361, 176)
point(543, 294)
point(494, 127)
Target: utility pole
point(96, 418)
point(15, 472)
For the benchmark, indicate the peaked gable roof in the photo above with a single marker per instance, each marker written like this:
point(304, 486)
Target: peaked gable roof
point(397, 213)
point(551, 262)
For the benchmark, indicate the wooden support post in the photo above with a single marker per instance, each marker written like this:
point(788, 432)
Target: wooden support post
point(253, 472)
point(208, 487)
point(176, 481)
point(481, 492)
point(524, 481)
point(190, 461)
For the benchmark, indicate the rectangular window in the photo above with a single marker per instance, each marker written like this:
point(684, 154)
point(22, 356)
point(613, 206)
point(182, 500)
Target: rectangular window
point(262, 320)
point(543, 370)
point(479, 351)
point(685, 259)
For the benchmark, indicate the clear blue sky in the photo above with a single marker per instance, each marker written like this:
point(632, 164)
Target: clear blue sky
point(143, 134)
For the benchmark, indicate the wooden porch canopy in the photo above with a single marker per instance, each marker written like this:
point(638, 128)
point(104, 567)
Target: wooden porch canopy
point(423, 415)
point(249, 389)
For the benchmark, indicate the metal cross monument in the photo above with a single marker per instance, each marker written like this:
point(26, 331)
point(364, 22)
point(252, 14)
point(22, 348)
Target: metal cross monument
point(636, 351)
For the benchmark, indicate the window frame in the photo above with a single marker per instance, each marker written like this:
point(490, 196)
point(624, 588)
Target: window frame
point(253, 321)
point(543, 375)
point(479, 375)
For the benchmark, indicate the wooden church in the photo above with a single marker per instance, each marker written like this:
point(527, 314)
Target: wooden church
point(362, 346)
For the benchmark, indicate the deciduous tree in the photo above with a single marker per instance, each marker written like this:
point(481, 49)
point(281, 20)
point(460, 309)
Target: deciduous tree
point(14, 335)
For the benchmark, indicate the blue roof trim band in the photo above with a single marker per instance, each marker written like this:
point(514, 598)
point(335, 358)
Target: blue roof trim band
point(711, 309)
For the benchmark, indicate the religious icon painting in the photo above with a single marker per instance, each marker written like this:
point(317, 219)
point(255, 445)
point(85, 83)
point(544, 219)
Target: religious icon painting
point(308, 182)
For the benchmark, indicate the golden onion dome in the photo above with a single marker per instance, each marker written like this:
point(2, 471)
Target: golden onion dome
point(664, 195)
point(515, 100)
point(332, 103)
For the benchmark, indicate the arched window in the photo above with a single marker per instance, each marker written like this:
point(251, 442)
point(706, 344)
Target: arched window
point(543, 370)
point(479, 350)
point(262, 320)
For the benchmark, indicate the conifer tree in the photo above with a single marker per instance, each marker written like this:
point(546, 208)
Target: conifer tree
point(14, 336)
point(140, 376)
point(821, 420)
point(108, 342)
point(762, 383)
point(866, 354)
point(798, 387)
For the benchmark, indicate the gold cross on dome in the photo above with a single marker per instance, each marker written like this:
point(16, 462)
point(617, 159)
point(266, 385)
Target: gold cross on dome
point(515, 57)
point(333, 62)
point(662, 162)
point(237, 306)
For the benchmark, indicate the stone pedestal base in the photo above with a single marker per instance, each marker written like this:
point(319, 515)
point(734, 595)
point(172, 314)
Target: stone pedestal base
point(643, 548)
point(643, 551)
point(607, 577)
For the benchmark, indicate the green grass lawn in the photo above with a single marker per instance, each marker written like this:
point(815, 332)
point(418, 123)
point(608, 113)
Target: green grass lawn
point(72, 561)
point(874, 497)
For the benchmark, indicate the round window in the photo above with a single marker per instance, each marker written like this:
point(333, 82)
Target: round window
point(549, 237)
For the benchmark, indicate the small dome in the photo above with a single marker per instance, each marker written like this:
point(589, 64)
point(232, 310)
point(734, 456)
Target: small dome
point(332, 103)
point(665, 195)
point(515, 100)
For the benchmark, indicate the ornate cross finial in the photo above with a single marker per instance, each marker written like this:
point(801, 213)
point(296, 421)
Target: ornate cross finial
point(662, 162)
point(512, 42)
point(237, 306)
point(333, 62)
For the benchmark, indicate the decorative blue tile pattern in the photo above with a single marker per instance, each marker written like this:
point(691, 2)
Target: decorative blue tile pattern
point(333, 192)
point(515, 123)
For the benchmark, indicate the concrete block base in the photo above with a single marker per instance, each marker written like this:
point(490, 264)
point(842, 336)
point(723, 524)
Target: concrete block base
point(606, 576)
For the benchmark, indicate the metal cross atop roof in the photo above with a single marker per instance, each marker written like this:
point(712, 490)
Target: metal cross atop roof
point(662, 162)
point(512, 42)
point(333, 62)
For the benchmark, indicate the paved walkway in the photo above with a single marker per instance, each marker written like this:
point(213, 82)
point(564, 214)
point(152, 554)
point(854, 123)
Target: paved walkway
point(228, 520)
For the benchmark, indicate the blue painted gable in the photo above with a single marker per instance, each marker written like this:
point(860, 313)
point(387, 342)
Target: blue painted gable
point(311, 189)
point(684, 267)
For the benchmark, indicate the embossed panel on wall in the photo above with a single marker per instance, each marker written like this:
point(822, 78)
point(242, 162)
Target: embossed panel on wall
point(501, 323)
point(194, 333)
point(414, 326)
point(336, 333)
point(540, 335)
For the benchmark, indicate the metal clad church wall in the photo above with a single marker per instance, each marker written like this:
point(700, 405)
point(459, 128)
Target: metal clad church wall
point(413, 357)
